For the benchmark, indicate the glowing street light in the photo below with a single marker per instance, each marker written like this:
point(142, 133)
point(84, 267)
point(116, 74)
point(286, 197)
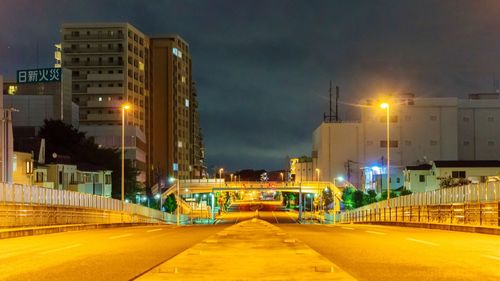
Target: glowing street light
point(317, 174)
point(386, 107)
point(282, 176)
point(125, 107)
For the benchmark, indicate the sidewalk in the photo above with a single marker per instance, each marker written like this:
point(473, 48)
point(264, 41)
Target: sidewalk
point(250, 250)
point(39, 230)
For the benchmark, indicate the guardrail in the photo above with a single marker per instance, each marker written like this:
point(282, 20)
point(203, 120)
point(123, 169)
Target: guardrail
point(28, 200)
point(473, 204)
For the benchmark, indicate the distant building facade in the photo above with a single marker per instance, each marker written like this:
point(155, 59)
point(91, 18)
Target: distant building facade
point(114, 63)
point(422, 129)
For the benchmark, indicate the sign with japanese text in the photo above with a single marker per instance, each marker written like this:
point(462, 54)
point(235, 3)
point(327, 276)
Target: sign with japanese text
point(39, 75)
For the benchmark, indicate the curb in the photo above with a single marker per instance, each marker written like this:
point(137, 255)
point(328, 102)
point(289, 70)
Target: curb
point(449, 227)
point(6, 233)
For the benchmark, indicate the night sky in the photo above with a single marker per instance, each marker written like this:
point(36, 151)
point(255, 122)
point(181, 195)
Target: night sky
point(262, 68)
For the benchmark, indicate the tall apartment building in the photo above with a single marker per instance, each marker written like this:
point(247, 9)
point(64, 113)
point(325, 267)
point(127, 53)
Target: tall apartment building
point(174, 115)
point(422, 130)
point(113, 63)
point(109, 66)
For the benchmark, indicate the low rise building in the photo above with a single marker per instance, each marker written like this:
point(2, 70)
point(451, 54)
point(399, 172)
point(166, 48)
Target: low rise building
point(440, 174)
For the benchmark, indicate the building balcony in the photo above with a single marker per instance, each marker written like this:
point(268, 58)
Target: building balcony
point(105, 77)
point(102, 104)
point(96, 37)
point(92, 50)
point(103, 117)
point(105, 90)
point(92, 63)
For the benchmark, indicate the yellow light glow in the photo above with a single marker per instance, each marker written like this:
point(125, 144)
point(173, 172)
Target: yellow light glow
point(126, 106)
point(384, 105)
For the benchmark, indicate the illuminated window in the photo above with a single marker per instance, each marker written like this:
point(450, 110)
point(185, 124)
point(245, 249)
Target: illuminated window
point(179, 144)
point(177, 53)
point(186, 103)
point(12, 90)
point(183, 79)
point(100, 98)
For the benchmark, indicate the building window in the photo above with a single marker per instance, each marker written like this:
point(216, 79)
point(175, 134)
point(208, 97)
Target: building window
point(177, 53)
point(383, 144)
point(491, 143)
point(466, 143)
point(421, 178)
point(407, 118)
point(186, 103)
point(433, 142)
point(465, 119)
point(491, 119)
point(369, 142)
point(433, 118)
point(408, 143)
point(398, 180)
point(458, 174)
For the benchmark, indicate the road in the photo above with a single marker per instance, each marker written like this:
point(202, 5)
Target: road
point(105, 254)
point(367, 252)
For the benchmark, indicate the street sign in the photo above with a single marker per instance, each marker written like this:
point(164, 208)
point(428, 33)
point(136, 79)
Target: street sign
point(39, 75)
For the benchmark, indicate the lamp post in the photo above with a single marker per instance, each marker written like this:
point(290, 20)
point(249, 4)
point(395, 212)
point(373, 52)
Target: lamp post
point(282, 176)
point(386, 107)
point(221, 170)
point(317, 174)
point(125, 107)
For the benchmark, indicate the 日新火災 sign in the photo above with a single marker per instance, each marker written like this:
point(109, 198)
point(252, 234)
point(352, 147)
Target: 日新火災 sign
point(39, 75)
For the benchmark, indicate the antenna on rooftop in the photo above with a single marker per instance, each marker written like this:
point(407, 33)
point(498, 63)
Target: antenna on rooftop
point(330, 117)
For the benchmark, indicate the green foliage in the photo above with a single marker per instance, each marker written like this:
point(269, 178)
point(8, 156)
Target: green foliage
point(170, 204)
point(64, 139)
point(348, 198)
point(405, 192)
point(327, 199)
point(452, 182)
point(383, 196)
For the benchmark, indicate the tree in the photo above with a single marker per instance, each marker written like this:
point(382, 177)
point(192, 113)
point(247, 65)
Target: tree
point(348, 198)
point(170, 203)
point(358, 197)
point(383, 196)
point(64, 139)
point(405, 192)
point(327, 199)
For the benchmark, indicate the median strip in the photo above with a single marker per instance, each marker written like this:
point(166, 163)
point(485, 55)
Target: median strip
point(422, 242)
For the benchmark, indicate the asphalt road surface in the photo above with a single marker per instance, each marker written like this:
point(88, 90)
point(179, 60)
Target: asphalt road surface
point(367, 252)
point(105, 254)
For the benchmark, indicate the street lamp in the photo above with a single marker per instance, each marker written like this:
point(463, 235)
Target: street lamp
point(339, 178)
point(282, 176)
point(125, 107)
point(386, 107)
point(317, 174)
point(221, 170)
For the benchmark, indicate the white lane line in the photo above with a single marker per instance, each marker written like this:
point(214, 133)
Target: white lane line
point(422, 242)
point(348, 228)
point(153, 230)
point(375, 232)
point(491, 257)
point(290, 216)
point(60, 249)
point(120, 236)
point(272, 212)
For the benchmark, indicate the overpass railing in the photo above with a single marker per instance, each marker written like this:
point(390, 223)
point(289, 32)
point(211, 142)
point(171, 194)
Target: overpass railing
point(473, 204)
point(19, 202)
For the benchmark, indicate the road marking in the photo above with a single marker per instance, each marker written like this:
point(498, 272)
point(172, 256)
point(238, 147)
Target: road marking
point(60, 249)
point(153, 230)
point(375, 232)
point(120, 236)
point(422, 242)
point(293, 220)
point(349, 228)
point(272, 212)
point(491, 257)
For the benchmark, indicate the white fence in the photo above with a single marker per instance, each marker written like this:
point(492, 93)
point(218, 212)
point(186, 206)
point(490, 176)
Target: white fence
point(472, 193)
point(40, 196)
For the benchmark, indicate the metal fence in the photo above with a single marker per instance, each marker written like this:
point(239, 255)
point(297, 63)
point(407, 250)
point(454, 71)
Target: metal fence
point(78, 203)
point(473, 204)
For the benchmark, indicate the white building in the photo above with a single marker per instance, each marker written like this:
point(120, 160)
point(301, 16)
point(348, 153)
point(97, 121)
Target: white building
point(421, 129)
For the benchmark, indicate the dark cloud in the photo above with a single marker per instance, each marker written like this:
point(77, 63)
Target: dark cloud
point(262, 67)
